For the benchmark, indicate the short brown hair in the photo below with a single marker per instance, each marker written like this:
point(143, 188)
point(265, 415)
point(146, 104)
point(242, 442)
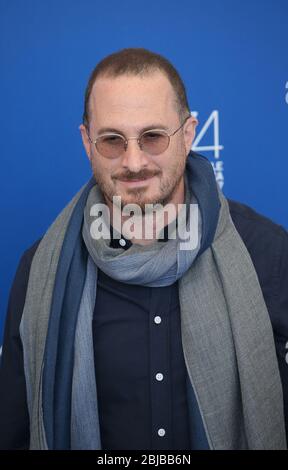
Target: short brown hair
point(137, 61)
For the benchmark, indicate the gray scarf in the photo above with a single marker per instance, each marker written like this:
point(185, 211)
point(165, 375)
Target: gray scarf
point(226, 333)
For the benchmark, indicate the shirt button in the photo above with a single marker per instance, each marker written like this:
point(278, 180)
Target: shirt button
point(157, 320)
point(122, 242)
point(161, 432)
point(159, 377)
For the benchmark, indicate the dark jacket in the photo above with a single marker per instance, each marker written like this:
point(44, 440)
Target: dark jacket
point(267, 244)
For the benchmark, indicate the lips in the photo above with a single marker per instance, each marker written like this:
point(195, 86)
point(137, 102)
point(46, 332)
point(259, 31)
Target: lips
point(136, 181)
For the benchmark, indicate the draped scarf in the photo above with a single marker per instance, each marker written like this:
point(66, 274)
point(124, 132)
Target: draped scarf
point(227, 336)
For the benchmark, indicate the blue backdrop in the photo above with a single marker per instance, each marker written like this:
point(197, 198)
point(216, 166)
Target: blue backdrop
point(232, 55)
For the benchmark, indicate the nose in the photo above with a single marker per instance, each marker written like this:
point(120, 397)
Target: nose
point(134, 159)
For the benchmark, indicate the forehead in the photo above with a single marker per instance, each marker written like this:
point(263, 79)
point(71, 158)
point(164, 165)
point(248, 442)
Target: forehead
point(131, 99)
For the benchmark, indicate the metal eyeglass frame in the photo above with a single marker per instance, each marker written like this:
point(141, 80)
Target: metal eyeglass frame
point(125, 139)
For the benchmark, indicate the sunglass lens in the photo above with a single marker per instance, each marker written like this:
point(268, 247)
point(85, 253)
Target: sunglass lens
point(154, 142)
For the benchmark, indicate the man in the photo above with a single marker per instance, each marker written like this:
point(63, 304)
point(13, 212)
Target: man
point(136, 342)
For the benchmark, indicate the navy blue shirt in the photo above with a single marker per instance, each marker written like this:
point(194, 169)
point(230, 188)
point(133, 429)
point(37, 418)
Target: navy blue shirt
point(141, 381)
point(141, 375)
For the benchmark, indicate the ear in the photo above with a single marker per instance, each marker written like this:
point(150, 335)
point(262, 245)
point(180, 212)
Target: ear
point(85, 140)
point(189, 132)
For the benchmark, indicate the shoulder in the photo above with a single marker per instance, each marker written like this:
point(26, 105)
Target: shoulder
point(260, 234)
point(251, 225)
point(20, 283)
point(29, 253)
point(262, 237)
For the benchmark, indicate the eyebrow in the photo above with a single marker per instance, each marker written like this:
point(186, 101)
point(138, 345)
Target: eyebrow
point(104, 130)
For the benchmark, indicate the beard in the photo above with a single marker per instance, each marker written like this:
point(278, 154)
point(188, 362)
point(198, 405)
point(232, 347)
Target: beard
point(168, 184)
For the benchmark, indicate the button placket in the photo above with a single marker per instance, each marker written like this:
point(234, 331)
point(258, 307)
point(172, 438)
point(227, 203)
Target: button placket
point(159, 360)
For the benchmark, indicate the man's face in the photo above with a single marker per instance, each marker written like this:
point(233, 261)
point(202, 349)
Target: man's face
point(128, 105)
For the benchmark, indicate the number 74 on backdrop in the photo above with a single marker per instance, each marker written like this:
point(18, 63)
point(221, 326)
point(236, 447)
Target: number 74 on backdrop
point(217, 163)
